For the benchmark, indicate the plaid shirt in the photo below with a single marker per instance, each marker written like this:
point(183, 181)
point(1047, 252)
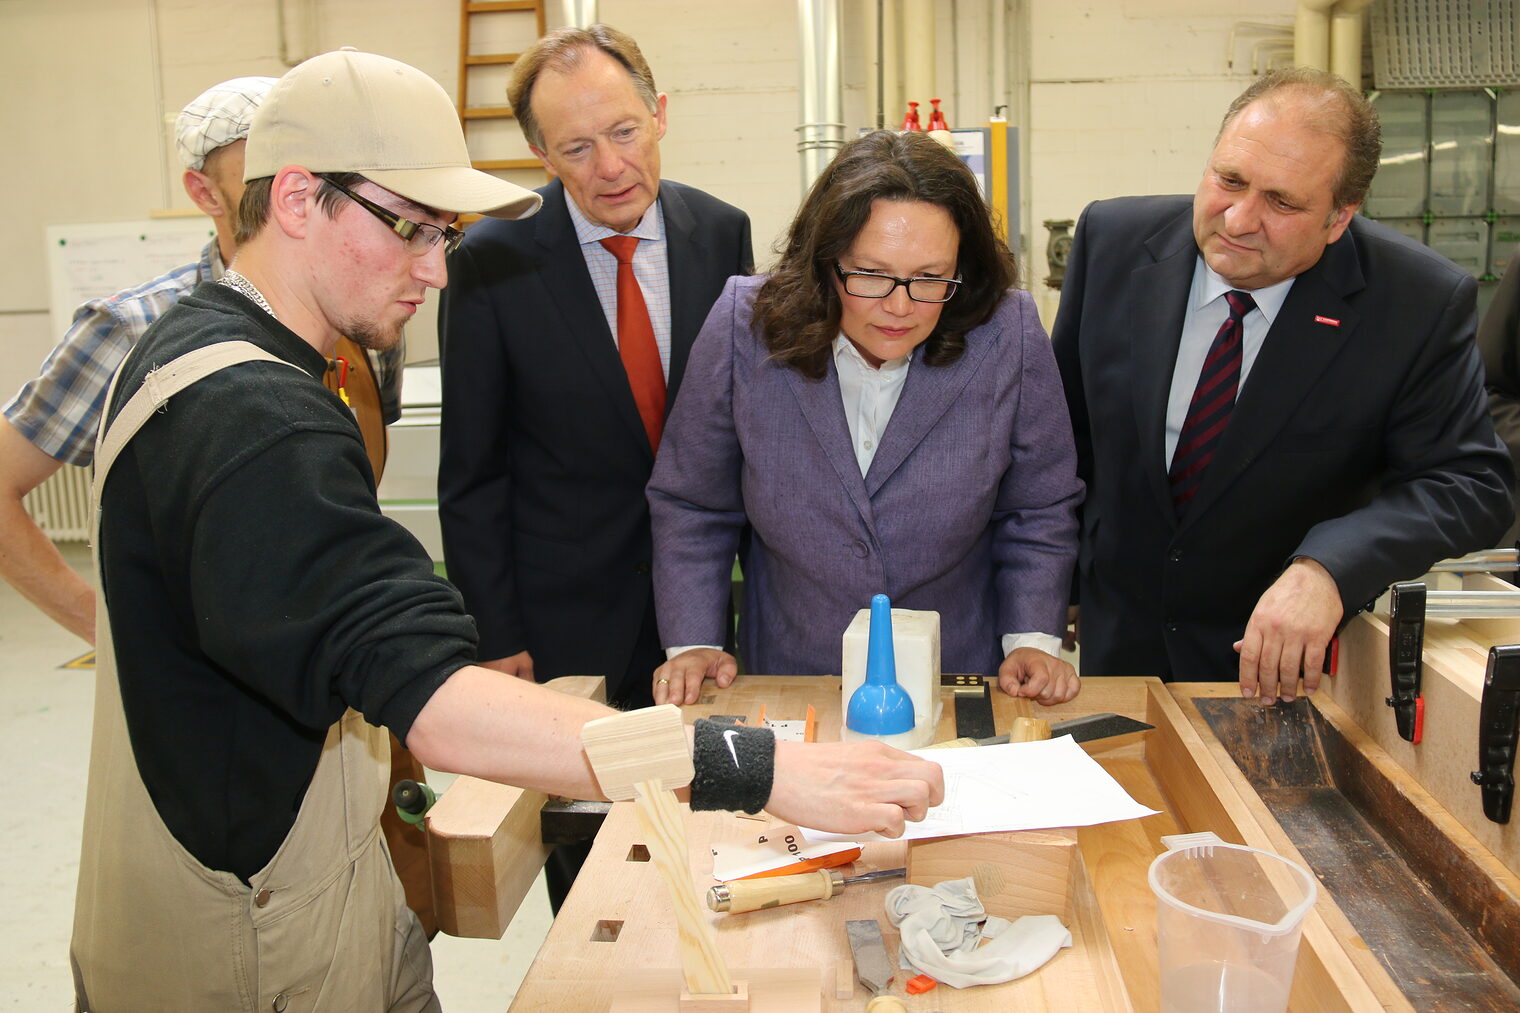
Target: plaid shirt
point(59, 411)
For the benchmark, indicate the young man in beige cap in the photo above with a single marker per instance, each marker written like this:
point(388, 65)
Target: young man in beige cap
point(266, 617)
point(53, 419)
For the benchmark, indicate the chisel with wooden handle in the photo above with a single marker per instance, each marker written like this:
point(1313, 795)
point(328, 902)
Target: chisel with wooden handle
point(741, 895)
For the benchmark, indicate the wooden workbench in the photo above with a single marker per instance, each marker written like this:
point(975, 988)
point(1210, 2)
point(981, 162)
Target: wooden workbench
point(616, 924)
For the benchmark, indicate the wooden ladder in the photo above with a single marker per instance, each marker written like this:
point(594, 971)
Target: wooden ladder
point(469, 11)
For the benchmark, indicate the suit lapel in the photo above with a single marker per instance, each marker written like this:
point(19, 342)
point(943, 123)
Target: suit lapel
point(1159, 298)
point(1297, 350)
point(928, 392)
point(685, 257)
point(822, 406)
point(569, 286)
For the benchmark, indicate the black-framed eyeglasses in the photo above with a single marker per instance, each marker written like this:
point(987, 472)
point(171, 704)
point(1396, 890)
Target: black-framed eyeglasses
point(870, 285)
point(419, 237)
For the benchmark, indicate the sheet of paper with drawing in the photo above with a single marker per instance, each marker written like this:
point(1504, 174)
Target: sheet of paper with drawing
point(1016, 786)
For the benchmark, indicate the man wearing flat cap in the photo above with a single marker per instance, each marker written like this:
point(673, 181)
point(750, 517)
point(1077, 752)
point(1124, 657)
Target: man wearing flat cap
point(262, 622)
point(53, 418)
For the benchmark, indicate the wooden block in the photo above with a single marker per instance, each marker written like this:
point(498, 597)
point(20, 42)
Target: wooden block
point(485, 847)
point(1026, 872)
point(736, 1001)
point(844, 979)
point(770, 990)
point(485, 843)
point(1029, 730)
point(642, 745)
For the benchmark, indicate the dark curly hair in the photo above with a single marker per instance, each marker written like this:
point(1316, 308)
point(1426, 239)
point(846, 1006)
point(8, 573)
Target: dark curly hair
point(797, 308)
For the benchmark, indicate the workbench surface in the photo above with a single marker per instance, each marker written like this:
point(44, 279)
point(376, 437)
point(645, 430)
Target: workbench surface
point(617, 927)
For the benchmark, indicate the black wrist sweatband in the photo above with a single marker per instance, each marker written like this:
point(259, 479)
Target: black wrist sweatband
point(734, 765)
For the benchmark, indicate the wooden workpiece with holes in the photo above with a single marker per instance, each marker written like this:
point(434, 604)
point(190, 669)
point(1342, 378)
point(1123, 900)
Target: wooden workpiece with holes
point(617, 925)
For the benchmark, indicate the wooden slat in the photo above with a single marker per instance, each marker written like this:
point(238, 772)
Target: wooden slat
point(493, 6)
point(464, 53)
point(492, 59)
point(490, 164)
point(486, 113)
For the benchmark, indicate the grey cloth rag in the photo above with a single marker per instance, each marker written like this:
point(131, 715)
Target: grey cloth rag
point(943, 926)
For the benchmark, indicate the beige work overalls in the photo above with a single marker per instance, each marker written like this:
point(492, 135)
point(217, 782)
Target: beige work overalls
point(323, 927)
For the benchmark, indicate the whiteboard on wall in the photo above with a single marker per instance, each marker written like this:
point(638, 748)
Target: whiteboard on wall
point(96, 259)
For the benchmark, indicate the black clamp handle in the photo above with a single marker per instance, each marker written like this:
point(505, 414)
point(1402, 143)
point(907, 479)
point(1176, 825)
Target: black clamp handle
point(1406, 648)
point(1498, 730)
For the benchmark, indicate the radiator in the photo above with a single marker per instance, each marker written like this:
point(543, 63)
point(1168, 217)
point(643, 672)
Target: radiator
point(61, 505)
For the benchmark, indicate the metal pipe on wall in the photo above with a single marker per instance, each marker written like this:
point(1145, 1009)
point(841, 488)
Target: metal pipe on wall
point(1346, 39)
point(1311, 34)
point(918, 55)
point(821, 132)
point(872, 46)
point(999, 56)
point(579, 13)
point(891, 78)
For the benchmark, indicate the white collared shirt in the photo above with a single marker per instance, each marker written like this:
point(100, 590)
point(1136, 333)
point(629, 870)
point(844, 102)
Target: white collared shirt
point(870, 397)
point(1206, 311)
point(651, 267)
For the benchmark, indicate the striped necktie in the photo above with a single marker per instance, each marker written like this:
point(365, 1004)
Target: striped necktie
point(636, 343)
point(1208, 413)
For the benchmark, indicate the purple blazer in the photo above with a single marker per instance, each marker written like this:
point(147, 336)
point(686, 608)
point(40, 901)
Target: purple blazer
point(969, 507)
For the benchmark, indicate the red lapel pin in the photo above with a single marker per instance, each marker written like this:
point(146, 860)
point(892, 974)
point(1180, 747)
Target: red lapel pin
point(1326, 320)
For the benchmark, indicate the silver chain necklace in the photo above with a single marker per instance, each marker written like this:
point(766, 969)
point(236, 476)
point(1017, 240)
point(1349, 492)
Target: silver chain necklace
point(238, 283)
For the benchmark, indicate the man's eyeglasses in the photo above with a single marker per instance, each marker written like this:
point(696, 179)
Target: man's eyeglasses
point(419, 237)
point(869, 285)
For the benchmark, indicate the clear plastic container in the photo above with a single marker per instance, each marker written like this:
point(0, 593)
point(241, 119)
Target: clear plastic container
point(1229, 919)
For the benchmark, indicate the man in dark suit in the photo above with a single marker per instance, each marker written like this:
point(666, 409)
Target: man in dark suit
point(555, 390)
point(1229, 536)
point(1499, 344)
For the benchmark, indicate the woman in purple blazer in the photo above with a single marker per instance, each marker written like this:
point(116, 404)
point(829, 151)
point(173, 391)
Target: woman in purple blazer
point(880, 415)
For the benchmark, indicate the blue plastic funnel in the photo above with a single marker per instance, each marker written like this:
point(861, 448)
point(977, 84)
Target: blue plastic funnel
point(880, 706)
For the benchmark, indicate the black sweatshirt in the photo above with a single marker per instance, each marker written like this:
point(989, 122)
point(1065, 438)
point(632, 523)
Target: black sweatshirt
point(255, 590)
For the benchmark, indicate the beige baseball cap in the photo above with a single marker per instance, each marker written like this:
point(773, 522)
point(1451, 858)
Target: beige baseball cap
point(349, 111)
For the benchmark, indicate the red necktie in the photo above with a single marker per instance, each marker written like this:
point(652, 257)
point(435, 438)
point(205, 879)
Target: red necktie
point(1213, 400)
point(636, 344)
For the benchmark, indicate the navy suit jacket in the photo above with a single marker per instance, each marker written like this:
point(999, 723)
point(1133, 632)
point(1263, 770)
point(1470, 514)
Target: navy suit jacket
point(968, 507)
point(1360, 438)
point(544, 459)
